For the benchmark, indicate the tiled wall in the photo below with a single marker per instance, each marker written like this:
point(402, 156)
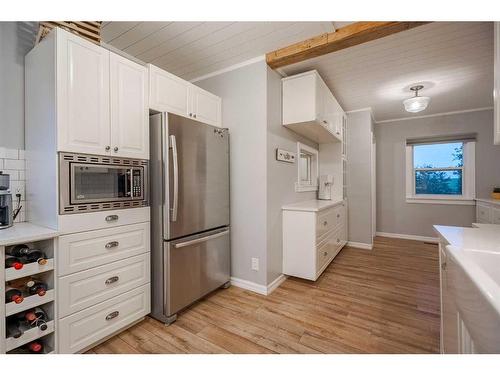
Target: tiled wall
point(12, 163)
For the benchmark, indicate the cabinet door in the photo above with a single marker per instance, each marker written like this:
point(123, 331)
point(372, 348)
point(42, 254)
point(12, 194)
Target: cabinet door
point(129, 108)
point(205, 107)
point(83, 121)
point(496, 91)
point(168, 93)
point(495, 215)
point(483, 214)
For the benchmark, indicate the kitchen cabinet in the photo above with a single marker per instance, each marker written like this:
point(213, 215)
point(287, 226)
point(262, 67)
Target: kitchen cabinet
point(129, 108)
point(314, 232)
point(310, 108)
point(496, 91)
point(101, 98)
point(487, 211)
point(169, 93)
point(83, 108)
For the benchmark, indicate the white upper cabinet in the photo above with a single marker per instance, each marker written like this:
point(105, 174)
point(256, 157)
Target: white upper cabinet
point(204, 106)
point(169, 93)
point(129, 108)
point(82, 95)
point(310, 109)
point(496, 92)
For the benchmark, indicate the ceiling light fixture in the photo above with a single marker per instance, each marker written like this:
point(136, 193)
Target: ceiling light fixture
point(417, 103)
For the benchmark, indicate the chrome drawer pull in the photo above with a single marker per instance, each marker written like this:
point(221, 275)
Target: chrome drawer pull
point(111, 218)
point(112, 315)
point(325, 222)
point(111, 244)
point(112, 280)
point(325, 253)
point(338, 215)
point(338, 240)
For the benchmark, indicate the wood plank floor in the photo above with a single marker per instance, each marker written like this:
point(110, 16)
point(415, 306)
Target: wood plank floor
point(380, 301)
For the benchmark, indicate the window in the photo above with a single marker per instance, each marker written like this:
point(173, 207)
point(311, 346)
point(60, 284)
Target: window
point(440, 171)
point(307, 168)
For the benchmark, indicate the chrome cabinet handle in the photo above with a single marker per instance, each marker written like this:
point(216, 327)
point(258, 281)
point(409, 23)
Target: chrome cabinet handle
point(338, 215)
point(115, 149)
point(111, 244)
point(111, 218)
point(194, 115)
point(107, 148)
point(338, 240)
point(190, 115)
point(325, 254)
point(112, 280)
point(112, 315)
point(325, 222)
point(443, 266)
point(175, 204)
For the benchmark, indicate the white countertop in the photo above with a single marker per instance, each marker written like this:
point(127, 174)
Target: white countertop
point(25, 232)
point(313, 205)
point(484, 237)
point(489, 200)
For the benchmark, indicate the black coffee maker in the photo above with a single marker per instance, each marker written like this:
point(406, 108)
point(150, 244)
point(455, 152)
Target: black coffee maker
point(7, 211)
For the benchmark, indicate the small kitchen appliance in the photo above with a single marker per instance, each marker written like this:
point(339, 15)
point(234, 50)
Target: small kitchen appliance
point(7, 212)
point(325, 187)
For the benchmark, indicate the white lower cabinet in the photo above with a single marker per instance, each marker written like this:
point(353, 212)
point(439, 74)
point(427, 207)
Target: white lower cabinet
point(85, 328)
point(104, 275)
point(313, 234)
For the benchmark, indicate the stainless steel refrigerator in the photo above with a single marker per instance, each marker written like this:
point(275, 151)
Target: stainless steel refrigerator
point(190, 245)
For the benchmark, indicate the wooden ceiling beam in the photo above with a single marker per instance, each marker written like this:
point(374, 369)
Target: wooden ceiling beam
point(344, 37)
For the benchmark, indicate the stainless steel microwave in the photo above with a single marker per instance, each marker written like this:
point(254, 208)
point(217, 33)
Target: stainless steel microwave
point(95, 183)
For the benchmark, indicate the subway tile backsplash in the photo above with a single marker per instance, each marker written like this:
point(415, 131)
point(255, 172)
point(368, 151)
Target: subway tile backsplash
point(12, 163)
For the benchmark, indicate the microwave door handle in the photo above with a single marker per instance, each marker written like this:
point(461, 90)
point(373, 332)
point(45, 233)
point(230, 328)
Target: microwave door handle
point(130, 180)
point(175, 164)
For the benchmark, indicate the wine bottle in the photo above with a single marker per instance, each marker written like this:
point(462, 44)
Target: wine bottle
point(33, 255)
point(13, 295)
point(14, 328)
point(35, 347)
point(34, 318)
point(13, 262)
point(36, 287)
point(18, 250)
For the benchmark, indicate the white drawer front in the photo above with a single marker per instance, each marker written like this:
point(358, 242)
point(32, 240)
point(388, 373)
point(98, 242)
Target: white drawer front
point(329, 247)
point(75, 223)
point(86, 327)
point(84, 289)
point(82, 251)
point(329, 219)
point(495, 215)
point(483, 213)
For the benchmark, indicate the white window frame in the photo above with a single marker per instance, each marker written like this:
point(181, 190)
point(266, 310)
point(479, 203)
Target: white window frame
point(299, 185)
point(468, 179)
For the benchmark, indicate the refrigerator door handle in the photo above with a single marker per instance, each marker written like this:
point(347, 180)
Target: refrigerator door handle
point(175, 203)
point(202, 239)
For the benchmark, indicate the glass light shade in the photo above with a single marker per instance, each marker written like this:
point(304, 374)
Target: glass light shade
point(416, 104)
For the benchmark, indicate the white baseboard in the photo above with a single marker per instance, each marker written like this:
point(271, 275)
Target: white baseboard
point(258, 288)
point(360, 245)
point(408, 237)
point(276, 283)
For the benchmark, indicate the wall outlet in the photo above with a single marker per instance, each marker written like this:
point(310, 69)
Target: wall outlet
point(255, 264)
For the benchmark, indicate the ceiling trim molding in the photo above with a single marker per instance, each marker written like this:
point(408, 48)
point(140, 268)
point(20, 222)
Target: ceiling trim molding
point(435, 115)
point(229, 68)
point(363, 110)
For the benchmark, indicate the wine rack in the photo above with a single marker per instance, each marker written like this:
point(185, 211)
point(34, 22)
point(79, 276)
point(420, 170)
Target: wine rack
point(10, 277)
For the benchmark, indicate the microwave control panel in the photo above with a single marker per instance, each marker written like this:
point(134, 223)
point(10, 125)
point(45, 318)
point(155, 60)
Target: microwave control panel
point(136, 183)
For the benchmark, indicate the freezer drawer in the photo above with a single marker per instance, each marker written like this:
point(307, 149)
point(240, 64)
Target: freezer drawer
point(194, 266)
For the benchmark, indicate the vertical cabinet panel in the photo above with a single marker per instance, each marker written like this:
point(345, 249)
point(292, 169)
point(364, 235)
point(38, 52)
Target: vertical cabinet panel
point(168, 93)
point(129, 114)
point(82, 95)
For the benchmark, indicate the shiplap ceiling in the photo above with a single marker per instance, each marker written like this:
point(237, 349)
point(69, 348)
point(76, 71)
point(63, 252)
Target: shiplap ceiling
point(453, 60)
point(193, 49)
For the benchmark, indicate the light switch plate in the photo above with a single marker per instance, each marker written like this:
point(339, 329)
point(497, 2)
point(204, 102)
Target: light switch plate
point(286, 156)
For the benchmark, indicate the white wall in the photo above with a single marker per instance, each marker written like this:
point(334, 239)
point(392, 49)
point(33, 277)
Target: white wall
point(359, 176)
point(394, 215)
point(243, 93)
point(15, 42)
